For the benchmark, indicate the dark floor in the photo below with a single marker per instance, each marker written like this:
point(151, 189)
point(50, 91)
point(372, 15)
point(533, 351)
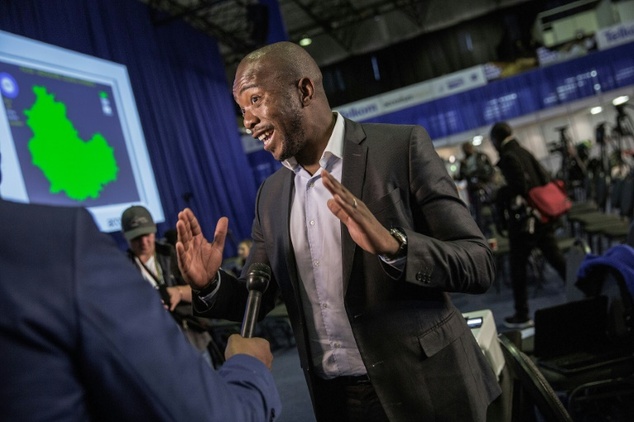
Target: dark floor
point(546, 293)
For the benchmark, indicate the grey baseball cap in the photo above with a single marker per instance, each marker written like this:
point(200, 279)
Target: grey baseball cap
point(137, 221)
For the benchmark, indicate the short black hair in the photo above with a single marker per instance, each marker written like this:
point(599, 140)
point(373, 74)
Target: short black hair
point(500, 131)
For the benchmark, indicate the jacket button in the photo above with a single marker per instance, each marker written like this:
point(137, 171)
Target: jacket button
point(419, 276)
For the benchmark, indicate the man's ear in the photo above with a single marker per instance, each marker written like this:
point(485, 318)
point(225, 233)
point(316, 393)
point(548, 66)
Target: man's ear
point(307, 90)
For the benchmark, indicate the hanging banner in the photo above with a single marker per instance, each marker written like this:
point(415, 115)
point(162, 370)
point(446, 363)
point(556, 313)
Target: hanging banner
point(416, 94)
point(615, 35)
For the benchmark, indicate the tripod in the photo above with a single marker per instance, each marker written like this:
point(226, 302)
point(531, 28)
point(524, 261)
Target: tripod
point(573, 169)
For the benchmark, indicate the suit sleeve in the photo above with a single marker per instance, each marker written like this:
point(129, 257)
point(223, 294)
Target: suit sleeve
point(132, 353)
point(446, 249)
point(231, 298)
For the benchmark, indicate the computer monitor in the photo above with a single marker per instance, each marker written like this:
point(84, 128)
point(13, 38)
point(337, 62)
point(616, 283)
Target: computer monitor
point(70, 132)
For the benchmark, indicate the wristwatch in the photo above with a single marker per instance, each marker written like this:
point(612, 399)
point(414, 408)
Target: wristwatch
point(400, 236)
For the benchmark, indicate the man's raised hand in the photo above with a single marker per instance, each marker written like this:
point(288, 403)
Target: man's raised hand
point(198, 259)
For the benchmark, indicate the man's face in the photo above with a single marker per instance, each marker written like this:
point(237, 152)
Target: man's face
point(271, 107)
point(143, 246)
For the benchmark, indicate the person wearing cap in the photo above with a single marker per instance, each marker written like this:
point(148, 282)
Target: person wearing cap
point(158, 264)
point(157, 261)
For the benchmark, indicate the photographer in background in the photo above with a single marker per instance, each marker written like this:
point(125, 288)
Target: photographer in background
point(522, 172)
point(158, 265)
point(477, 170)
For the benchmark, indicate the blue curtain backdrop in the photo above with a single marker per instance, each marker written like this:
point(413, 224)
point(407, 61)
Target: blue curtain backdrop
point(184, 102)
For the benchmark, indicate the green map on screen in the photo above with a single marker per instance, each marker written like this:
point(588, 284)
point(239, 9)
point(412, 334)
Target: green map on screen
point(80, 168)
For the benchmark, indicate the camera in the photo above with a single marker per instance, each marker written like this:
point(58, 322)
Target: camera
point(556, 146)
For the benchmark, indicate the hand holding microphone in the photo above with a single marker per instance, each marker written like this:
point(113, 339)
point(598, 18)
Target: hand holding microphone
point(258, 279)
point(257, 347)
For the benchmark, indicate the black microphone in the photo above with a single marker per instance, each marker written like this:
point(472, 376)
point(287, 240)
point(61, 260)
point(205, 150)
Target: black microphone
point(257, 281)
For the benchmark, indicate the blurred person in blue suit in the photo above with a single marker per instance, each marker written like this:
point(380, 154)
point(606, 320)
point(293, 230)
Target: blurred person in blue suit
point(84, 338)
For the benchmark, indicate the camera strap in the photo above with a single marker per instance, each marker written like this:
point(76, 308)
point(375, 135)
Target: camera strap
point(156, 276)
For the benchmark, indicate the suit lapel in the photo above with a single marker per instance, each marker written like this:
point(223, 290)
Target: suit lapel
point(353, 177)
point(285, 201)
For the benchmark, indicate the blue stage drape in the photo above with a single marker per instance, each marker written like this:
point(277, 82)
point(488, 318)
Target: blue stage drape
point(183, 98)
point(276, 26)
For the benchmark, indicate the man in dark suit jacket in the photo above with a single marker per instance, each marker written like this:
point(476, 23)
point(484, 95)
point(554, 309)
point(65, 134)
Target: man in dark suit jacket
point(84, 337)
point(365, 235)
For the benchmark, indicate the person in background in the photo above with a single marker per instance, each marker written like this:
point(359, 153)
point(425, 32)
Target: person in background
point(526, 231)
point(158, 265)
point(84, 338)
point(365, 235)
point(244, 247)
point(476, 169)
point(235, 264)
point(156, 261)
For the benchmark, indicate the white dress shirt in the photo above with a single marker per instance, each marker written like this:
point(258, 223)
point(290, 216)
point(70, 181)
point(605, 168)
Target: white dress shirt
point(316, 237)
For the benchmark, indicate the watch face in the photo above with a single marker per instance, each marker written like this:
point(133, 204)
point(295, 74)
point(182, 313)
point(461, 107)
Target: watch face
point(401, 238)
point(399, 235)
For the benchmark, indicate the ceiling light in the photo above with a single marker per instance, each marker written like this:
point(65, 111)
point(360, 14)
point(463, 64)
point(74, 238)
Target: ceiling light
point(620, 100)
point(305, 41)
point(596, 110)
